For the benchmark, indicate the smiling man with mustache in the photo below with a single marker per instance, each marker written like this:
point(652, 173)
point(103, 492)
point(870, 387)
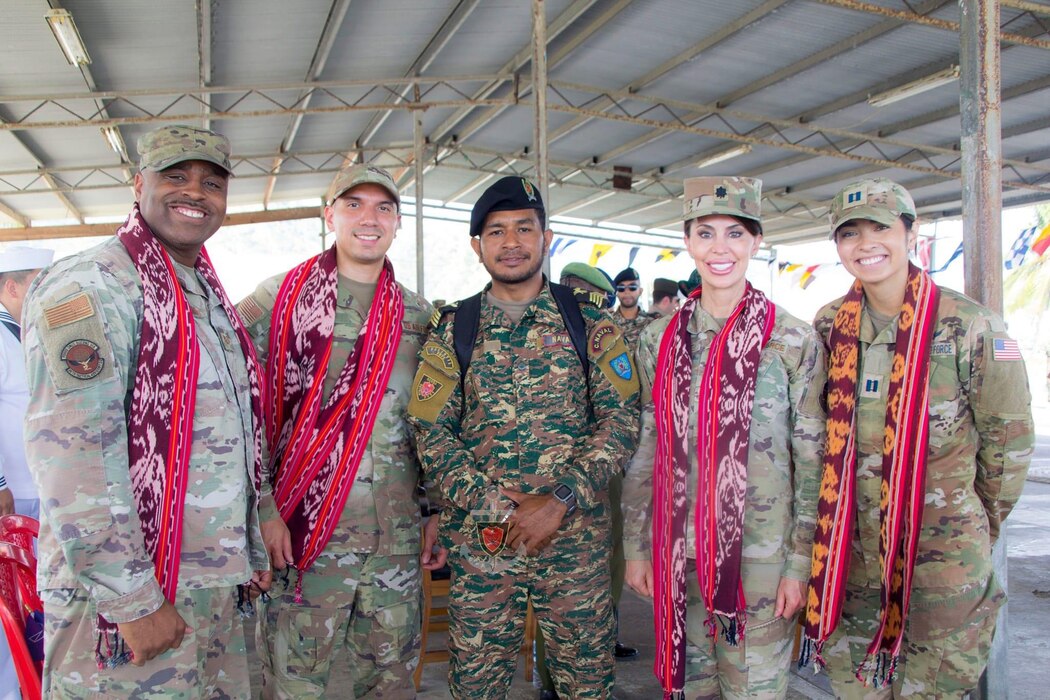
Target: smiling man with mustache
point(143, 433)
point(531, 423)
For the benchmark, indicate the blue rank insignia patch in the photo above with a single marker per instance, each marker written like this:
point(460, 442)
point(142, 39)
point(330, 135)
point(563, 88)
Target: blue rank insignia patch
point(622, 366)
point(721, 193)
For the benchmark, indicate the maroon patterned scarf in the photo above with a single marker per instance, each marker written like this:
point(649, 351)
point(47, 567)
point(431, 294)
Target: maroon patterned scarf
point(903, 489)
point(317, 448)
point(726, 396)
point(160, 423)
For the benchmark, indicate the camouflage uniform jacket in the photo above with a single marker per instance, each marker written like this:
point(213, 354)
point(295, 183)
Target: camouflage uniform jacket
point(981, 440)
point(632, 327)
point(784, 457)
point(382, 511)
point(77, 441)
point(521, 418)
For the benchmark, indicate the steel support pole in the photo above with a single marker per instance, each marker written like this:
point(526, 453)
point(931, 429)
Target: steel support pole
point(417, 137)
point(979, 103)
point(981, 151)
point(539, 91)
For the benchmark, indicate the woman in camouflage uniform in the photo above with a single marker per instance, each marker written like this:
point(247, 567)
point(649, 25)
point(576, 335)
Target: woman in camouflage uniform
point(929, 437)
point(722, 542)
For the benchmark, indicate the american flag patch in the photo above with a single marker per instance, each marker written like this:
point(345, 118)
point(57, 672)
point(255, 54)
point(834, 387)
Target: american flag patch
point(1005, 349)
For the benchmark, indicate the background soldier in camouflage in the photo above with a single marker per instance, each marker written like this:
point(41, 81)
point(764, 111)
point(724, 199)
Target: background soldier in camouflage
point(525, 419)
point(981, 441)
point(92, 555)
point(628, 315)
point(361, 597)
point(783, 462)
point(665, 297)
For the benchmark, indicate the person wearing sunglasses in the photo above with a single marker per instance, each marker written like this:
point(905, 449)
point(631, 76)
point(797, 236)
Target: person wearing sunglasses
point(628, 314)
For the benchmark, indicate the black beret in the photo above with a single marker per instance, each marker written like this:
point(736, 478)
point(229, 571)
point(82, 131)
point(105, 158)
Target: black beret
point(627, 275)
point(507, 194)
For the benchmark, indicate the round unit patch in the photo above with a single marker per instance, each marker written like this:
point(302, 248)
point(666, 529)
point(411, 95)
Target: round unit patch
point(82, 359)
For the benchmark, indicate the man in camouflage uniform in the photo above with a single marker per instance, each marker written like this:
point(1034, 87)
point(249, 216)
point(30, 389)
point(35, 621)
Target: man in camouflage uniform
point(628, 315)
point(980, 446)
point(524, 438)
point(665, 297)
point(361, 597)
point(93, 559)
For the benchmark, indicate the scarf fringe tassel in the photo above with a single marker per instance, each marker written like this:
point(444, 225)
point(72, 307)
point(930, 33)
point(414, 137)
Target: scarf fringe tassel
point(110, 650)
point(811, 651)
point(730, 629)
point(878, 669)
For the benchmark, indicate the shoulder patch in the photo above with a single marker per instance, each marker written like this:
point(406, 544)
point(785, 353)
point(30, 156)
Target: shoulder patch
point(76, 308)
point(603, 337)
point(440, 357)
point(249, 310)
point(436, 379)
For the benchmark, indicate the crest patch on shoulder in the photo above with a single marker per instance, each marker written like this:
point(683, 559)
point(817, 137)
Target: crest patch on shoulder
point(69, 311)
point(603, 338)
point(82, 359)
point(440, 356)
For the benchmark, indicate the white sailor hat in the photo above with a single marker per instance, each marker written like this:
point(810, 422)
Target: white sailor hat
point(20, 257)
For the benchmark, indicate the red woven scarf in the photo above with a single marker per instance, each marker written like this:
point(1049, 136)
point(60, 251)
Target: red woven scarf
point(726, 396)
point(160, 423)
point(317, 447)
point(903, 476)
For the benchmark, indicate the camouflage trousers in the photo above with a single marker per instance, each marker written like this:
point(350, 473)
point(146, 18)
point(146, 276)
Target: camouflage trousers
point(568, 584)
point(617, 571)
point(948, 666)
point(366, 605)
point(210, 663)
point(758, 666)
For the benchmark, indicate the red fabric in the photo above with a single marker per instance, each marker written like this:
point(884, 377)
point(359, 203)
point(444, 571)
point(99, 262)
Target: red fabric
point(316, 447)
point(726, 397)
point(903, 475)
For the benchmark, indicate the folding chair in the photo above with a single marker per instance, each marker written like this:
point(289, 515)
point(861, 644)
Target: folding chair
point(19, 599)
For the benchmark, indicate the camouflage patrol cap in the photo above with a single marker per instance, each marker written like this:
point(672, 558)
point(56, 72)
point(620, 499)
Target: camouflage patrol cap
point(732, 196)
point(360, 174)
point(168, 145)
point(879, 200)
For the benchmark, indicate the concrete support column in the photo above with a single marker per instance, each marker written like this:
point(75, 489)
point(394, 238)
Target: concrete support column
point(539, 93)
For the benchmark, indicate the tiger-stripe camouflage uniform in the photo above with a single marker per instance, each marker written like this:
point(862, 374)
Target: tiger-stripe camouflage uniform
point(981, 441)
point(783, 473)
point(632, 327)
point(91, 550)
point(525, 417)
point(372, 558)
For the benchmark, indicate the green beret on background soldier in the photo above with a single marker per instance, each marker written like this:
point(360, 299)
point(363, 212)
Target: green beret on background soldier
point(934, 478)
point(351, 562)
point(143, 433)
point(719, 500)
point(524, 405)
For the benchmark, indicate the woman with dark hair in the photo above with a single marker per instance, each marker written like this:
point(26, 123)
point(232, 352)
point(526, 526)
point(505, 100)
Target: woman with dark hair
point(929, 437)
point(720, 498)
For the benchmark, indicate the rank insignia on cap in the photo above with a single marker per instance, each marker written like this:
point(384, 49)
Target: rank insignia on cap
point(855, 198)
point(427, 387)
point(529, 191)
point(721, 192)
point(82, 359)
point(622, 366)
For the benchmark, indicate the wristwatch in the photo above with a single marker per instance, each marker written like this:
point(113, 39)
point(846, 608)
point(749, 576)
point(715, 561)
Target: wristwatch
point(565, 494)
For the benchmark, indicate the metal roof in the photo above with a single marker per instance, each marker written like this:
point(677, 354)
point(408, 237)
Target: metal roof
point(656, 86)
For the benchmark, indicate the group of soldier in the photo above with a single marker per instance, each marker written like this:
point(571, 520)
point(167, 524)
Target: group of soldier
point(307, 452)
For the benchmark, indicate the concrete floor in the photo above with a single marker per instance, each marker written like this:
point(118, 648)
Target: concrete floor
point(1028, 546)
